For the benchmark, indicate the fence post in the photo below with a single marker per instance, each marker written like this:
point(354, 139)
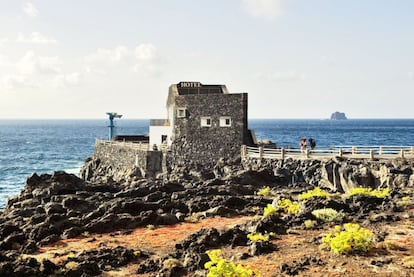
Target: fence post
point(371, 153)
point(282, 153)
point(412, 150)
point(243, 152)
point(261, 152)
point(307, 153)
point(380, 150)
point(341, 152)
point(402, 153)
point(354, 150)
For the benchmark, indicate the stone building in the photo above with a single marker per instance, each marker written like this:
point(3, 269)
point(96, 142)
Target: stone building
point(204, 123)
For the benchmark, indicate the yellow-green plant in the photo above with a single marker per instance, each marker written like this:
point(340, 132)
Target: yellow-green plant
point(309, 223)
point(219, 267)
point(171, 262)
point(292, 207)
point(264, 191)
point(408, 262)
point(257, 237)
point(316, 192)
point(405, 198)
point(269, 210)
point(71, 265)
point(349, 239)
point(379, 193)
point(328, 215)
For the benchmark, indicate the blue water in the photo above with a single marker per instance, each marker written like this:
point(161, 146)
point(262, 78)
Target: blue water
point(42, 146)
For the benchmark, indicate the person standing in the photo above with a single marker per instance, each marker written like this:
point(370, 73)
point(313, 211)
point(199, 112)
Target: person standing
point(312, 143)
point(302, 145)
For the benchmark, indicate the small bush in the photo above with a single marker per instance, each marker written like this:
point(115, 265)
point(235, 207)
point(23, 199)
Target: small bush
point(328, 215)
point(310, 224)
point(292, 207)
point(269, 210)
point(258, 237)
point(264, 191)
point(194, 217)
point(316, 192)
point(219, 267)
point(408, 262)
point(379, 193)
point(349, 239)
point(171, 263)
point(71, 265)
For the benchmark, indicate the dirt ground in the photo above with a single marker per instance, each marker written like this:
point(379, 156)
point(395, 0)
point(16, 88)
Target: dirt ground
point(300, 248)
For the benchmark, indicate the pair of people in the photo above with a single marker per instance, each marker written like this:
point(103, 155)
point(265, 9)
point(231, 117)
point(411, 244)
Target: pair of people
point(303, 144)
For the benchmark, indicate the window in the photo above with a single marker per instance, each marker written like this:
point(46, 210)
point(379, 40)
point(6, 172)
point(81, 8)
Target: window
point(181, 112)
point(225, 121)
point(206, 121)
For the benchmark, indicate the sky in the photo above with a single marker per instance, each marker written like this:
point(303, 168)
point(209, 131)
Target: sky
point(294, 58)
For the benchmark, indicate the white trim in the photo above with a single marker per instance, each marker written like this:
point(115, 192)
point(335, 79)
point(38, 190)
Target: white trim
point(181, 112)
point(205, 121)
point(225, 121)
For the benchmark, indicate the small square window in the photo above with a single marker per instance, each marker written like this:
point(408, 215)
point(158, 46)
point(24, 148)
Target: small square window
point(181, 112)
point(206, 121)
point(225, 121)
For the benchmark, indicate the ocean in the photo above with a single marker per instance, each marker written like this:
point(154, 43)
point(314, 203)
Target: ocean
point(43, 146)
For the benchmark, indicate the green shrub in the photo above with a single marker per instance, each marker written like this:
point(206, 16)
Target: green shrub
point(269, 210)
point(408, 262)
point(171, 263)
point(264, 191)
point(292, 207)
point(328, 215)
point(71, 265)
point(349, 239)
point(219, 267)
point(257, 237)
point(316, 192)
point(310, 224)
point(379, 193)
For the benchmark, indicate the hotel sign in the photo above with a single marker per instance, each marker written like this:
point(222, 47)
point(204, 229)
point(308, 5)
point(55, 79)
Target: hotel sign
point(190, 84)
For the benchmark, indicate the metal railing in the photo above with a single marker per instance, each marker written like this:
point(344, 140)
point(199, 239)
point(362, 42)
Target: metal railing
point(356, 152)
point(133, 145)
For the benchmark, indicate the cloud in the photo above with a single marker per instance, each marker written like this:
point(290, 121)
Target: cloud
point(31, 64)
point(36, 38)
point(35, 71)
point(115, 55)
point(12, 81)
point(3, 41)
point(66, 80)
point(145, 52)
point(143, 58)
point(30, 10)
point(263, 9)
point(410, 75)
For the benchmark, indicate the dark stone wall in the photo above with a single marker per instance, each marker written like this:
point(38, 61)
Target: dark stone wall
point(119, 155)
point(122, 157)
point(194, 144)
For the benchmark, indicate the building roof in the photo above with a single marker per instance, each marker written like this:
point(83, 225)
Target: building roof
point(194, 88)
point(159, 122)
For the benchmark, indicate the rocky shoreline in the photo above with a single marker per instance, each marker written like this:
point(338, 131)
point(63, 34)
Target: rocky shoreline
point(62, 206)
